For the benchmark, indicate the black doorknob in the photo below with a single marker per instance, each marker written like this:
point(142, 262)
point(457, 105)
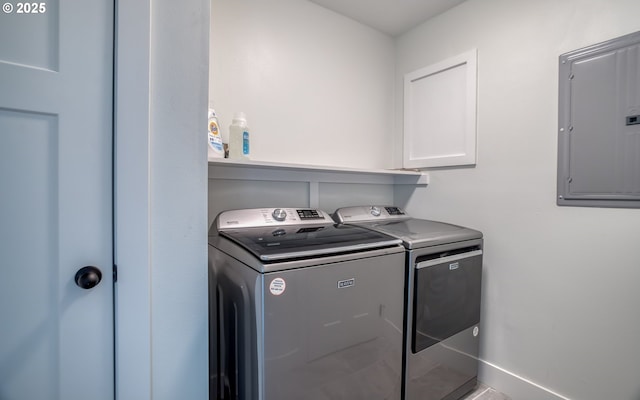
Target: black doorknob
point(88, 277)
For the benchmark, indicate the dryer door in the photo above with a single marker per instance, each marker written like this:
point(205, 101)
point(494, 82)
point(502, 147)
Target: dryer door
point(447, 296)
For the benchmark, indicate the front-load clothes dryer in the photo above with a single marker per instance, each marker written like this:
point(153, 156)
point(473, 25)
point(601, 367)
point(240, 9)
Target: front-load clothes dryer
point(306, 309)
point(442, 305)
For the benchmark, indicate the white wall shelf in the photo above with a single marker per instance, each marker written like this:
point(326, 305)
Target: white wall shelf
point(241, 169)
point(249, 184)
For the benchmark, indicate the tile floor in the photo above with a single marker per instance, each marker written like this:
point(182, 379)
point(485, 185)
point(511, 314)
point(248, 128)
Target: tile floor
point(484, 392)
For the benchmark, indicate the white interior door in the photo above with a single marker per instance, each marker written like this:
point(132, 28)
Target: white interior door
point(56, 62)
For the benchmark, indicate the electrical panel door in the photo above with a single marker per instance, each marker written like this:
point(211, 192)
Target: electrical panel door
point(599, 125)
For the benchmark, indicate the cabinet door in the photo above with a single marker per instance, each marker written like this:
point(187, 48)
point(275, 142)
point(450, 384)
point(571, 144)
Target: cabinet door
point(440, 114)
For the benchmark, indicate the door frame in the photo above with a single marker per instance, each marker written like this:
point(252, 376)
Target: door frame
point(160, 199)
point(132, 239)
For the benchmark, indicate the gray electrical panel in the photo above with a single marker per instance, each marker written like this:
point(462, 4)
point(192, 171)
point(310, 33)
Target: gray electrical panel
point(599, 125)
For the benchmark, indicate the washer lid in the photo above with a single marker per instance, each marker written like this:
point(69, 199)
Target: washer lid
point(422, 233)
point(277, 243)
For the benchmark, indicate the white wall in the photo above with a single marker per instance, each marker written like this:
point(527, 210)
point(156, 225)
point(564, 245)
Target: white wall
point(560, 301)
point(317, 87)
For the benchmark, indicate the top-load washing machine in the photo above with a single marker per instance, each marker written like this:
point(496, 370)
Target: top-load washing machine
point(442, 310)
point(304, 308)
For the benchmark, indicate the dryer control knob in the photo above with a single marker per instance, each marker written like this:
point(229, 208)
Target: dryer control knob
point(375, 211)
point(279, 214)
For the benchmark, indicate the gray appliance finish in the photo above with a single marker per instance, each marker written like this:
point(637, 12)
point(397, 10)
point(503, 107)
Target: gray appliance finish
point(442, 320)
point(302, 308)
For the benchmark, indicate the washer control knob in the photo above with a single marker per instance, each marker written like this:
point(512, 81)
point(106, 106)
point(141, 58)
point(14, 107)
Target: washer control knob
point(279, 214)
point(375, 211)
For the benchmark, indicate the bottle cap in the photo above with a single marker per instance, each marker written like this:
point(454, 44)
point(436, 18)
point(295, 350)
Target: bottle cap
point(239, 117)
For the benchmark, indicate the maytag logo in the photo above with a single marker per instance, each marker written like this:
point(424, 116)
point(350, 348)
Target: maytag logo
point(346, 283)
point(454, 266)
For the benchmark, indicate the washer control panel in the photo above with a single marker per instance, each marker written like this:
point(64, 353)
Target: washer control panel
point(261, 217)
point(369, 214)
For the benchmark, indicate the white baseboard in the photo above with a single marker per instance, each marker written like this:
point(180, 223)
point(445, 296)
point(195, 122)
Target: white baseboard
point(514, 386)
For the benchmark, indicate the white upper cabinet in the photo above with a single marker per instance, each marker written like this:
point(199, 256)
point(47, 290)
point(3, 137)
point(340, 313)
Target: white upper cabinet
point(440, 114)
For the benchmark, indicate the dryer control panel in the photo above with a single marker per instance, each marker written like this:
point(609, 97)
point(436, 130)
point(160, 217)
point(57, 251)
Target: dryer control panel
point(369, 214)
